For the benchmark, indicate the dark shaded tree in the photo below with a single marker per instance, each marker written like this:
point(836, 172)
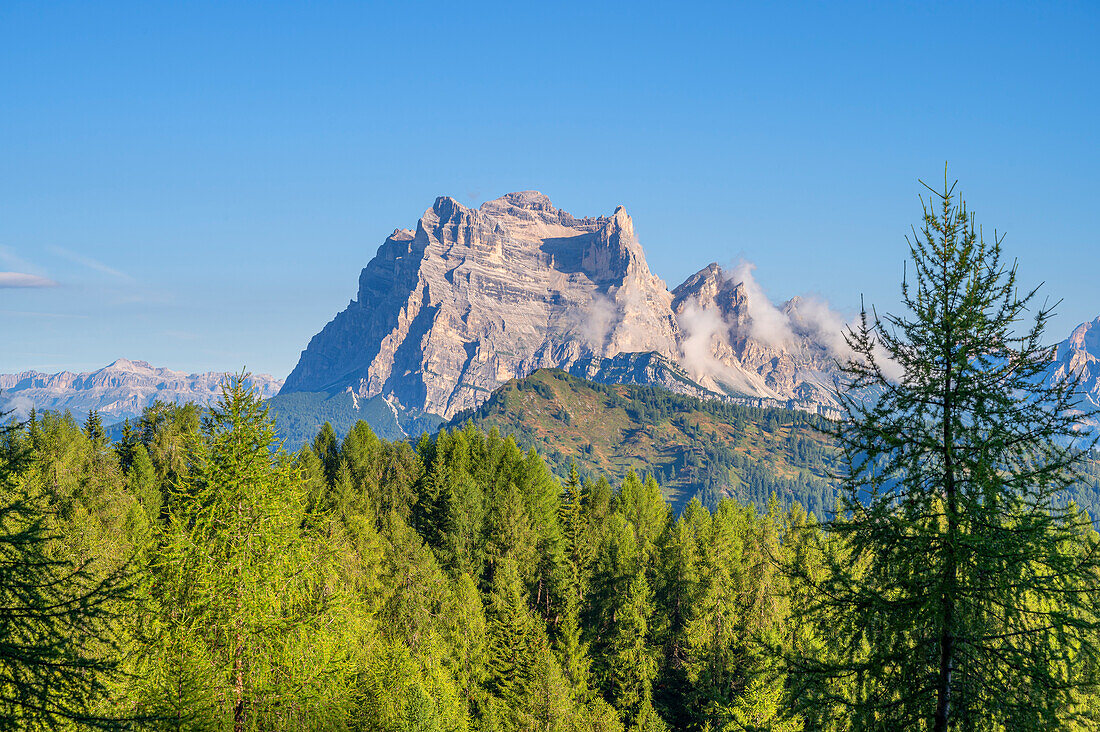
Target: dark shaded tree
point(962, 592)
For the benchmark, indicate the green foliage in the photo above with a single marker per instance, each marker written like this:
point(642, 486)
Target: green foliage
point(962, 586)
point(58, 610)
point(709, 450)
point(364, 584)
point(298, 416)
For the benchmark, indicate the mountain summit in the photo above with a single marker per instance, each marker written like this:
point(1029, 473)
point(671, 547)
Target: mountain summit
point(471, 298)
point(1079, 357)
point(474, 297)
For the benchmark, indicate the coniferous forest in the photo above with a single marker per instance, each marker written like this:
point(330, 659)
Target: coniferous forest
point(195, 575)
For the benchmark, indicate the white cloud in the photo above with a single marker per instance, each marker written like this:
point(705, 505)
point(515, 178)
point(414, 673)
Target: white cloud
point(770, 326)
point(22, 279)
point(811, 316)
point(90, 263)
point(595, 321)
point(701, 326)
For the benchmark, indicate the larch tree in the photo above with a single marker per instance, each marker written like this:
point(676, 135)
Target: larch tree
point(58, 619)
point(962, 590)
point(230, 569)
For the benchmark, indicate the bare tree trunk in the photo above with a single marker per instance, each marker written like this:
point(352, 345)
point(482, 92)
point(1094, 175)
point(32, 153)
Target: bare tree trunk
point(947, 634)
point(238, 684)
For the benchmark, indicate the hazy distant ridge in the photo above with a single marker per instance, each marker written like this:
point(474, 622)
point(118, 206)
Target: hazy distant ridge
point(118, 391)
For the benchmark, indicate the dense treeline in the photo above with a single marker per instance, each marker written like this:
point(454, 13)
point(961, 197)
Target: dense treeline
point(720, 449)
point(367, 584)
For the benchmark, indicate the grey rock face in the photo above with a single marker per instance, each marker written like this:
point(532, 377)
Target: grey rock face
point(119, 391)
point(475, 297)
point(647, 369)
point(1079, 357)
point(471, 298)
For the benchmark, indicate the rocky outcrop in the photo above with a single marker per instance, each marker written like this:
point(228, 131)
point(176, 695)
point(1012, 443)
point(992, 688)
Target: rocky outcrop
point(646, 369)
point(119, 391)
point(470, 298)
point(1079, 357)
point(474, 297)
point(735, 342)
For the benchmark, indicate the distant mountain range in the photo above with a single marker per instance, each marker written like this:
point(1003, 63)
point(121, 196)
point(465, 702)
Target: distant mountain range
point(118, 391)
point(470, 299)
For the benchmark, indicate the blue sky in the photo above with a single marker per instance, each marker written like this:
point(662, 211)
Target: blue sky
point(204, 181)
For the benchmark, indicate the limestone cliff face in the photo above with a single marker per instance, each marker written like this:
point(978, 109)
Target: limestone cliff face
point(1079, 357)
point(735, 342)
point(471, 298)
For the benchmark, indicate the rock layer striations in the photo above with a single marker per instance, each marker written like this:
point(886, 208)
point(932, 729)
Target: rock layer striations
point(471, 298)
point(474, 297)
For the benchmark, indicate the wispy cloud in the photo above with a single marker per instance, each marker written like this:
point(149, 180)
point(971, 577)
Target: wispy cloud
point(32, 314)
point(89, 263)
point(22, 279)
point(14, 261)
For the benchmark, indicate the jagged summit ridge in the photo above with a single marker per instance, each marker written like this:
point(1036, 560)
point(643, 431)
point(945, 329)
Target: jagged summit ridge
point(471, 298)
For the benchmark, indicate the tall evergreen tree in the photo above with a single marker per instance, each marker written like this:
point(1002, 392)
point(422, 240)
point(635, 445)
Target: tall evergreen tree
point(632, 663)
point(964, 591)
point(231, 568)
point(57, 620)
point(93, 430)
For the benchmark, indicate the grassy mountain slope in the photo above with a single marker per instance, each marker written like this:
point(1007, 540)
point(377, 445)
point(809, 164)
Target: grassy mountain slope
point(693, 447)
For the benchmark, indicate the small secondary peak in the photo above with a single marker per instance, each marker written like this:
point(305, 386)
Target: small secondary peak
point(530, 200)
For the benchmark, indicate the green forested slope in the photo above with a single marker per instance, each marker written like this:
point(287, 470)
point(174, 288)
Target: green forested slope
point(698, 448)
point(363, 584)
point(695, 448)
point(299, 415)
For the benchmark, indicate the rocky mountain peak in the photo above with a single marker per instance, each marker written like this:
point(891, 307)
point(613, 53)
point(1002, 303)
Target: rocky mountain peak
point(529, 200)
point(712, 288)
point(475, 297)
point(125, 365)
point(1086, 337)
point(478, 296)
point(1078, 357)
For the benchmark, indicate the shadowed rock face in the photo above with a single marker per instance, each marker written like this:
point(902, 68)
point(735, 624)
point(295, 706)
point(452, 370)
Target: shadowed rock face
point(474, 297)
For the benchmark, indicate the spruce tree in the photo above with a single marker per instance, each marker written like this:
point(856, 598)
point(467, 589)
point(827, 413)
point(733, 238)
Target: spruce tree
point(962, 590)
point(632, 664)
point(93, 430)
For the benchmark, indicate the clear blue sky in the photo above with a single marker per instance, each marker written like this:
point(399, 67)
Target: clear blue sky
point(204, 181)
